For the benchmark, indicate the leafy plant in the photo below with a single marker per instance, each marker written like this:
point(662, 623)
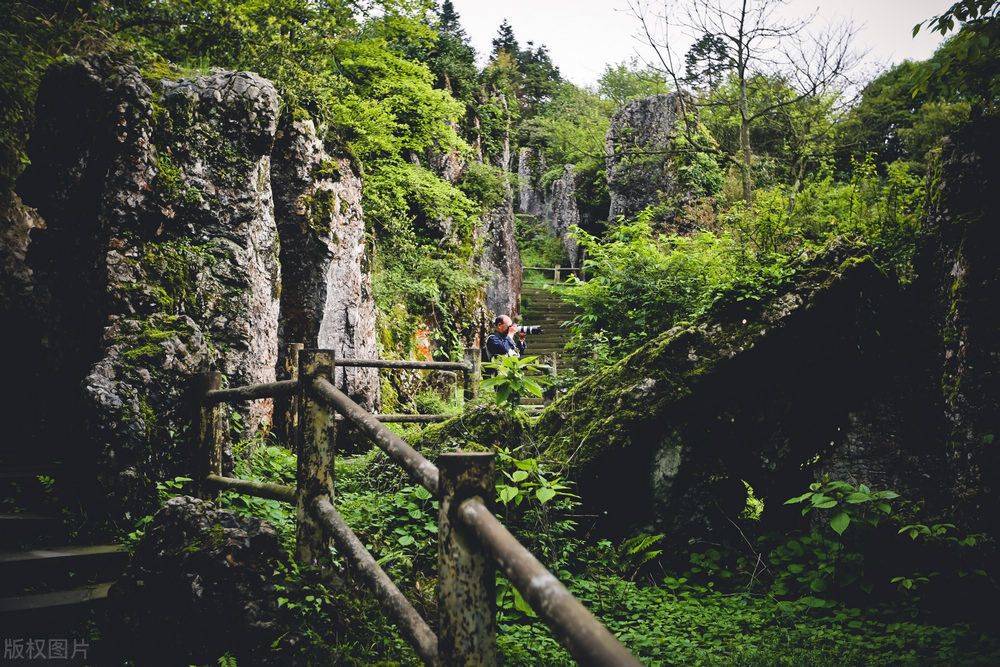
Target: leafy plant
point(845, 503)
point(515, 377)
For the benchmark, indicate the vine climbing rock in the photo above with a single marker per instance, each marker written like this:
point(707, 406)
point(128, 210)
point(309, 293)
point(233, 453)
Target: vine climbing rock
point(326, 295)
point(159, 258)
point(200, 584)
point(638, 149)
point(751, 392)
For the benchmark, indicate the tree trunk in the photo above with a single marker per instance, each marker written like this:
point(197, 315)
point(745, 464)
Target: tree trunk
point(745, 139)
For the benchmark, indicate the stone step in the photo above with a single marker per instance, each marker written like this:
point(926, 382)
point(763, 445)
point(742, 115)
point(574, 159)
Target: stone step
point(59, 567)
point(48, 614)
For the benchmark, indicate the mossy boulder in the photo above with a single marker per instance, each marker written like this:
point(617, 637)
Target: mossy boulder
point(214, 570)
point(748, 393)
point(482, 426)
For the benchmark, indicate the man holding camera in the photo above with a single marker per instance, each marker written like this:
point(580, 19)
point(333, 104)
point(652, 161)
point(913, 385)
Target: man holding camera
point(502, 342)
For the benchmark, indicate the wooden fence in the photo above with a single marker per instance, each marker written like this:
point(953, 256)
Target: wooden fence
point(558, 272)
point(472, 543)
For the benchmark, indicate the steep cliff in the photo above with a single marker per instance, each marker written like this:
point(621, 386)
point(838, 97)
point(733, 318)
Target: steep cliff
point(501, 259)
point(562, 212)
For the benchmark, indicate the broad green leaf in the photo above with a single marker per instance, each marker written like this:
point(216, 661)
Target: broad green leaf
point(798, 499)
point(545, 494)
point(507, 494)
point(840, 522)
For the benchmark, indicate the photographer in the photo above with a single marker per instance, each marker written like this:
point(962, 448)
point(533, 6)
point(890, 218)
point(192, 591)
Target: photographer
point(502, 342)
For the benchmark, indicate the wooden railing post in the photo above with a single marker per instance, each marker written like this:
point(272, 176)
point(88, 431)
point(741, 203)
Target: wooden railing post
point(555, 273)
point(316, 446)
point(466, 574)
point(209, 429)
point(471, 378)
point(289, 407)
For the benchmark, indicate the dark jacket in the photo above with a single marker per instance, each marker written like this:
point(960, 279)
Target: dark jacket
point(500, 346)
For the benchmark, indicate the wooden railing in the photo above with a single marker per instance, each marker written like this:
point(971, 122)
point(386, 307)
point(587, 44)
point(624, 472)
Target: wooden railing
point(472, 543)
point(558, 272)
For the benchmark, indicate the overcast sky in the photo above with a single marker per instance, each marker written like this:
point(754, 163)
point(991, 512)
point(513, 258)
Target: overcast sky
point(584, 35)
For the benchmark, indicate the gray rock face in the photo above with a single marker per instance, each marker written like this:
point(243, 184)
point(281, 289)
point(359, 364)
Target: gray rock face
point(214, 572)
point(17, 221)
point(501, 259)
point(530, 167)
point(159, 260)
point(448, 164)
point(326, 297)
point(562, 212)
point(637, 145)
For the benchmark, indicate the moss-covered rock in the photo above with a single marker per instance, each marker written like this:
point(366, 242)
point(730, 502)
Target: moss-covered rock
point(749, 392)
point(480, 427)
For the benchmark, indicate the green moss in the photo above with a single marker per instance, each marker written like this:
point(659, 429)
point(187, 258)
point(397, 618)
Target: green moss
point(327, 169)
point(173, 269)
point(319, 210)
point(480, 427)
point(169, 183)
point(146, 341)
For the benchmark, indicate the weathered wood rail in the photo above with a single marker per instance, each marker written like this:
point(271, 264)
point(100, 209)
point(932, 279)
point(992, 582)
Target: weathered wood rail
point(558, 272)
point(472, 543)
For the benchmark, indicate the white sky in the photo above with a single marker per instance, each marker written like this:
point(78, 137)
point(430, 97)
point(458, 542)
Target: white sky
point(584, 35)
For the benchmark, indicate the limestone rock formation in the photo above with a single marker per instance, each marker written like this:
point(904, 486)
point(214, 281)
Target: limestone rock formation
point(637, 148)
point(530, 167)
point(562, 212)
point(214, 571)
point(326, 296)
point(501, 259)
point(17, 309)
point(159, 258)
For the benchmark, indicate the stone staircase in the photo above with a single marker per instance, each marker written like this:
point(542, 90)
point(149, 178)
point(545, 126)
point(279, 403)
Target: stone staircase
point(541, 306)
point(49, 586)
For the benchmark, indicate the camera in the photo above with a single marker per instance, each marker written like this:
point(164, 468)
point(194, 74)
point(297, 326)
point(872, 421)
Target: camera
point(529, 328)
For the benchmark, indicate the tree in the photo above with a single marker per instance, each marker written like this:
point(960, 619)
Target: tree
point(757, 43)
point(453, 59)
point(707, 62)
point(971, 57)
point(505, 41)
point(629, 81)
